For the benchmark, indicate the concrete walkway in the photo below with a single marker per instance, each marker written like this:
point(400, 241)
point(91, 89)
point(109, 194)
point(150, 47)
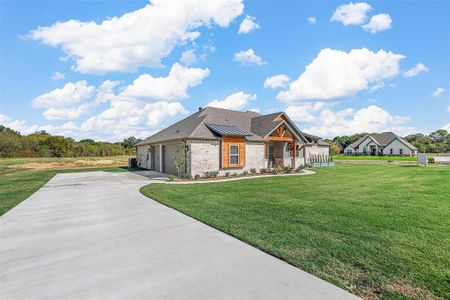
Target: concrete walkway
point(93, 235)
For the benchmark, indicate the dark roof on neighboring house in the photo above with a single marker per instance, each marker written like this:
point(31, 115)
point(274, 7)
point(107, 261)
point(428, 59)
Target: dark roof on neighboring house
point(314, 139)
point(383, 139)
point(212, 122)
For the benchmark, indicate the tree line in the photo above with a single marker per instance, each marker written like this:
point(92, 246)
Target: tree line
point(436, 142)
point(43, 144)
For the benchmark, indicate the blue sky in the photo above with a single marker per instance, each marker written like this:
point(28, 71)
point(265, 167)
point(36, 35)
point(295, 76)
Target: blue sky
point(336, 67)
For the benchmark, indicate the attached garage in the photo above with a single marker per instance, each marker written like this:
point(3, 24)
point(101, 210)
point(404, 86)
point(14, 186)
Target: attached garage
point(156, 158)
point(169, 152)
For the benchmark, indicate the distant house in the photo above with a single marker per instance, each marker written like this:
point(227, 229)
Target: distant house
point(386, 143)
point(222, 140)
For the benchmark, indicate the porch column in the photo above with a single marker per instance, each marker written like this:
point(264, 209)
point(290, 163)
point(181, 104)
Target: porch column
point(160, 157)
point(294, 151)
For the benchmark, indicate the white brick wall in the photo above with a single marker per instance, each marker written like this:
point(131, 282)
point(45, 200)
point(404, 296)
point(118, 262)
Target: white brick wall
point(316, 150)
point(203, 156)
point(141, 156)
point(254, 156)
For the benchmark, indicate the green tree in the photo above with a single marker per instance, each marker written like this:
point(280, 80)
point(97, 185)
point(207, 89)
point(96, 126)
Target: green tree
point(179, 159)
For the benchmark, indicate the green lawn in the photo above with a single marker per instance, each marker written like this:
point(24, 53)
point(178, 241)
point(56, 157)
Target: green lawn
point(379, 231)
point(18, 181)
point(382, 158)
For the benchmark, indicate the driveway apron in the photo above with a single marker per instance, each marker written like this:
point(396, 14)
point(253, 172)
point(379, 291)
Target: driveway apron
point(94, 236)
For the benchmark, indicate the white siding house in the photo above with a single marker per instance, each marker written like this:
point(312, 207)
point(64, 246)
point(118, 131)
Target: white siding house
point(386, 143)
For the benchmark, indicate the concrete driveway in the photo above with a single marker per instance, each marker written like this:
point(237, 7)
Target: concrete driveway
point(93, 235)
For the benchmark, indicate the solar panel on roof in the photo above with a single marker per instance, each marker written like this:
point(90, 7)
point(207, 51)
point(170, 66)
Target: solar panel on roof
point(229, 130)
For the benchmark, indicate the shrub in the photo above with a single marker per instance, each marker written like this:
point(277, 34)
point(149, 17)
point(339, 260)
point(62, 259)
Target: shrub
point(299, 169)
point(214, 174)
point(235, 174)
point(197, 176)
point(227, 174)
point(186, 176)
point(276, 170)
point(245, 173)
point(262, 170)
point(253, 171)
point(171, 177)
point(287, 169)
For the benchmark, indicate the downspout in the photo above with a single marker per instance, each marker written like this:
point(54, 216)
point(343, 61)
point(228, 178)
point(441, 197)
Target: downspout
point(185, 157)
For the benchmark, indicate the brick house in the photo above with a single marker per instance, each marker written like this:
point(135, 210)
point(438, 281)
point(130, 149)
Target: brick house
point(222, 140)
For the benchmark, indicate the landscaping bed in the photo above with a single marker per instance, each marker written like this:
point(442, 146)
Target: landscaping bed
point(214, 175)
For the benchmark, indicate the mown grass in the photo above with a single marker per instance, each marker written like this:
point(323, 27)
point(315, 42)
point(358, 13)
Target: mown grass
point(381, 158)
point(18, 183)
point(379, 231)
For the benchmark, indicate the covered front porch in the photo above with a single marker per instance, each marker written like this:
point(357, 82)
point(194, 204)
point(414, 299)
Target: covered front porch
point(284, 149)
point(283, 154)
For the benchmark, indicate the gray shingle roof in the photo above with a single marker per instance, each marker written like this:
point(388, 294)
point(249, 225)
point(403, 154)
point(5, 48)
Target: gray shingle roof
point(194, 126)
point(211, 122)
point(314, 139)
point(263, 125)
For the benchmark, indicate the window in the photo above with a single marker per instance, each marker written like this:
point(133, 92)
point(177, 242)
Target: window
point(234, 155)
point(391, 151)
point(401, 151)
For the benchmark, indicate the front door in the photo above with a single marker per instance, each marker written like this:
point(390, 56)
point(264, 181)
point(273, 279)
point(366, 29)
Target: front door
point(373, 151)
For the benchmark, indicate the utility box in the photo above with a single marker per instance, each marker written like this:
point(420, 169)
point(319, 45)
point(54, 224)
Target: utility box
point(132, 163)
point(422, 159)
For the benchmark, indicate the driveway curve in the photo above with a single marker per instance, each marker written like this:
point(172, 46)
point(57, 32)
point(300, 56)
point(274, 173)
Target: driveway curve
point(93, 235)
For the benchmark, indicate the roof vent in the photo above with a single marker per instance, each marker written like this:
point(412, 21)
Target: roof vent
point(200, 108)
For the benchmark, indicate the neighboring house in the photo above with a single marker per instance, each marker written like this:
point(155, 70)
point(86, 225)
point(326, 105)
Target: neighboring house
point(222, 140)
point(386, 143)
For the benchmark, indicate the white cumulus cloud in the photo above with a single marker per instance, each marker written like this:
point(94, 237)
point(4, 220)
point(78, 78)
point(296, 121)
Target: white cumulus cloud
point(140, 38)
point(248, 57)
point(348, 121)
point(446, 127)
point(58, 76)
point(277, 81)
point(352, 13)
point(337, 74)
point(378, 23)
point(70, 94)
point(74, 99)
point(438, 92)
point(312, 20)
point(172, 87)
point(416, 70)
point(305, 113)
point(248, 25)
point(66, 129)
point(234, 101)
point(146, 104)
point(4, 118)
point(189, 57)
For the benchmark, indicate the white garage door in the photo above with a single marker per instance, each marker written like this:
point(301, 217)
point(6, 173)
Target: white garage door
point(169, 151)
